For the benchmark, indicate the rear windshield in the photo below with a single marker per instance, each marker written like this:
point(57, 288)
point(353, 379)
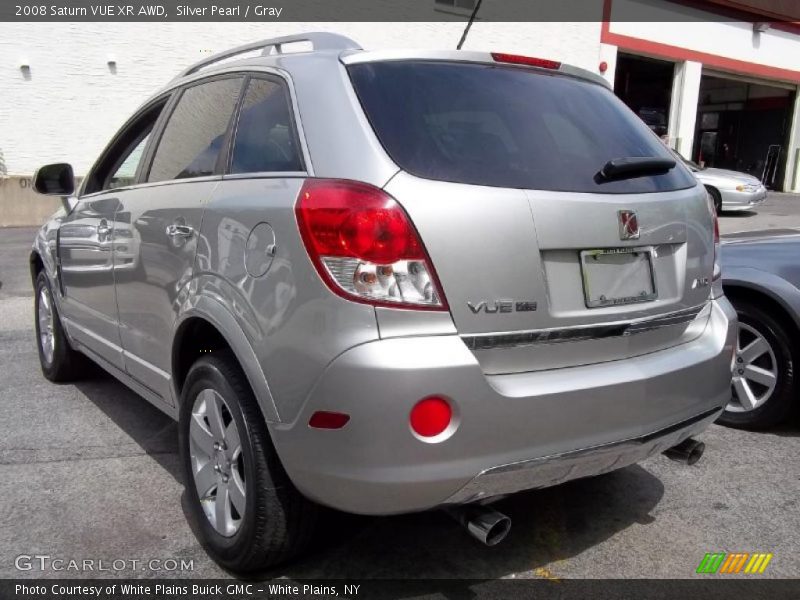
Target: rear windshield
point(506, 127)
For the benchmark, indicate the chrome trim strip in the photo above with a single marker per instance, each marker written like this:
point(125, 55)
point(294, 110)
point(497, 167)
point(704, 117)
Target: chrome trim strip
point(72, 326)
point(488, 341)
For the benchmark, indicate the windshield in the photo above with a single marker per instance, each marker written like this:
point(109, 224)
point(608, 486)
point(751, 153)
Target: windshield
point(505, 126)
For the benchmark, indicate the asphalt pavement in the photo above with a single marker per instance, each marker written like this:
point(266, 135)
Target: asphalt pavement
point(89, 471)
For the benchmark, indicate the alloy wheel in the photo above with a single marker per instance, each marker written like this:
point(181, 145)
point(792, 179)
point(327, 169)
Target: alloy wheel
point(47, 339)
point(755, 371)
point(217, 462)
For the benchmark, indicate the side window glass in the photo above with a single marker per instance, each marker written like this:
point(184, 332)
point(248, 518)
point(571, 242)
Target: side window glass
point(125, 173)
point(265, 136)
point(195, 133)
point(118, 165)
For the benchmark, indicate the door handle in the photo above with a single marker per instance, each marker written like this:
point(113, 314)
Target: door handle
point(180, 231)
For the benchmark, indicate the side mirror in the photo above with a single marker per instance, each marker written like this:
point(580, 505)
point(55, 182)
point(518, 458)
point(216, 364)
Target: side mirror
point(55, 180)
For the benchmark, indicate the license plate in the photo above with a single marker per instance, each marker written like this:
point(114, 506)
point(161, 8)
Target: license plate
point(616, 276)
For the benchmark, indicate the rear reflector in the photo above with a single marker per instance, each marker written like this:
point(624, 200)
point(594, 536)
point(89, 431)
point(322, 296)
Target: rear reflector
point(364, 245)
point(323, 419)
point(530, 61)
point(431, 416)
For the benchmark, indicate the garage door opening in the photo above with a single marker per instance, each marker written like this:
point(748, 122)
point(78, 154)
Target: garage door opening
point(743, 126)
point(645, 85)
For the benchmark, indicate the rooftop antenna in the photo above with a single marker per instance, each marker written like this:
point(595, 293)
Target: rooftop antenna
point(469, 24)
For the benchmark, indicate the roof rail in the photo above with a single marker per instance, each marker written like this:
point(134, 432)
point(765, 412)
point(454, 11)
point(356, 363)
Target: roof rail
point(321, 40)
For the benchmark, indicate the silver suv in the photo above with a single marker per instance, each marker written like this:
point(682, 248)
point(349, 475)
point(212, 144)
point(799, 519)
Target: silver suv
point(386, 282)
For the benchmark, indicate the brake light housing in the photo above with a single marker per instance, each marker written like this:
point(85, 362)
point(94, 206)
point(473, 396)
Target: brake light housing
point(529, 61)
point(365, 247)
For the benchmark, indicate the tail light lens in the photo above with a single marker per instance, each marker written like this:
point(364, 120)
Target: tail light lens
point(364, 245)
point(529, 61)
point(717, 269)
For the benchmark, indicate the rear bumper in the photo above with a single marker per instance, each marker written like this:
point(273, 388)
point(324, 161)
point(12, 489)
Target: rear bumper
point(553, 470)
point(514, 432)
point(733, 200)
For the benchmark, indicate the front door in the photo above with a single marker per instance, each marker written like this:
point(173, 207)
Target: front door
point(89, 307)
point(164, 214)
point(92, 235)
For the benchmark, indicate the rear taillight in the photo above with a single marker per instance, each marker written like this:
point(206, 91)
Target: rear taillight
point(717, 269)
point(364, 245)
point(529, 61)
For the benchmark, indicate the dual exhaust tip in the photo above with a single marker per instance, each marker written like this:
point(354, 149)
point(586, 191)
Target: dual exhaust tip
point(490, 527)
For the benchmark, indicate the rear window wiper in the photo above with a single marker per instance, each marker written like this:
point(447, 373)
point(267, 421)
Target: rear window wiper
point(633, 166)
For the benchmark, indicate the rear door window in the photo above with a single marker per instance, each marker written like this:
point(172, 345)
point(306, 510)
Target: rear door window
point(196, 131)
point(506, 126)
point(265, 136)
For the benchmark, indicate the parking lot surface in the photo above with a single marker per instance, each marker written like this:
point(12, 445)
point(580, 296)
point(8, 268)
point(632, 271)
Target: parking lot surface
point(90, 472)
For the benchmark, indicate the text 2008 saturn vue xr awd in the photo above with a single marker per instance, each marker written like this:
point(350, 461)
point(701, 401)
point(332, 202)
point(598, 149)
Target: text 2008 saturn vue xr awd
point(387, 282)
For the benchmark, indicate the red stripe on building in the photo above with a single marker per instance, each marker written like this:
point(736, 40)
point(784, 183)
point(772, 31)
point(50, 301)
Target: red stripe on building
point(677, 53)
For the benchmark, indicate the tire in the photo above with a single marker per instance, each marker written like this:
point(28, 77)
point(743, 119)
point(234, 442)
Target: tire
point(774, 405)
point(277, 521)
point(59, 362)
point(715, 195)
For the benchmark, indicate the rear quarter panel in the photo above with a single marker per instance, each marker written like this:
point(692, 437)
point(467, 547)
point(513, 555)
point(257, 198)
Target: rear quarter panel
point(293, 323)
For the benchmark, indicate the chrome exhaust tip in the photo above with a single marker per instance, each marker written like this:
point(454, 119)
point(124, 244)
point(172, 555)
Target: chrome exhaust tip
point(485, 524)
point(688, 452)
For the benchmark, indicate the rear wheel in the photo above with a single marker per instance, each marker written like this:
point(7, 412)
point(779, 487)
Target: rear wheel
point(763, 387)
point(58, 360)
point(248, 513)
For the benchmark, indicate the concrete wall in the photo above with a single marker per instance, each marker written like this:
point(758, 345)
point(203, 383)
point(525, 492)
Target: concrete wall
point(20, 206)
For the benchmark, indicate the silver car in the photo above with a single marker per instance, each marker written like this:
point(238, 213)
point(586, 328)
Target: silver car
point(387, 282)
point(731, 191)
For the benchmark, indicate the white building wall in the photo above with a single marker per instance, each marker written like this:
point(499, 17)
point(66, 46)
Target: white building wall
point(70, 103)
point(683, 106)
point(608, 54)
point(730, 39)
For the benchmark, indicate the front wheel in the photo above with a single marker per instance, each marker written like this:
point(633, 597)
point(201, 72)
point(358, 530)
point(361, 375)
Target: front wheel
point(763, 388)
point(249, 515)
point(58, 360)
point(716, 197)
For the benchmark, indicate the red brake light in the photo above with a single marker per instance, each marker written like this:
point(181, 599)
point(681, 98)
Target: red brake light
point(364, 246)
point(431, 416)
point(530, 61)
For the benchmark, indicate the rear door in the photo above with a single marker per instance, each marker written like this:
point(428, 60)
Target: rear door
point(164, 214)
point(544, 263)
